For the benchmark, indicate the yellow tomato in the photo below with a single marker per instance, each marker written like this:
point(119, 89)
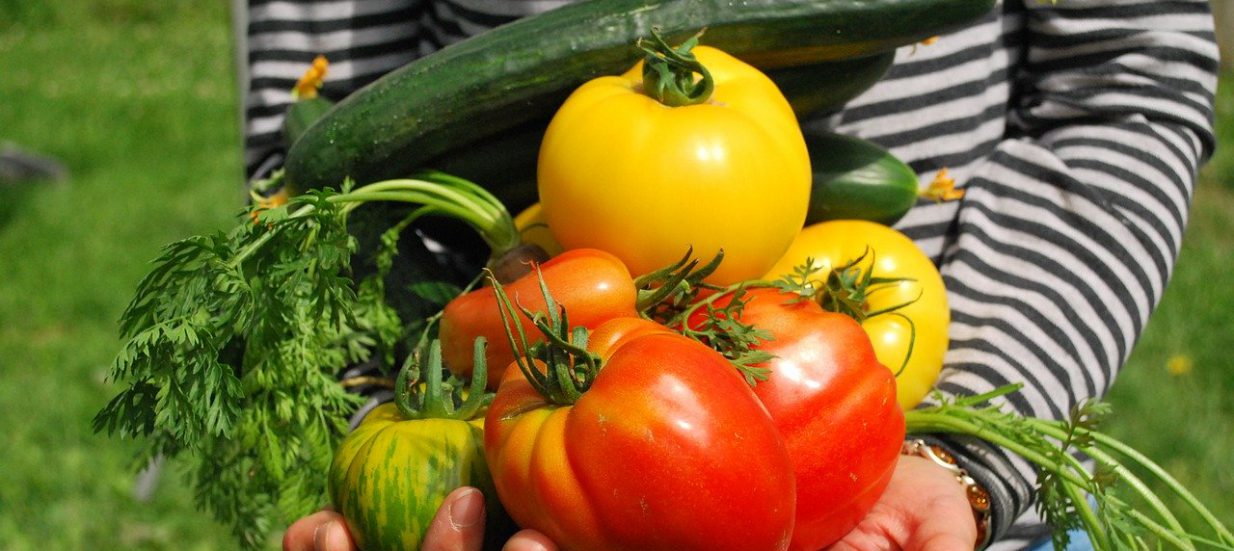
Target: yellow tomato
point(894, 255)
point(622, 172)
point(534, 230)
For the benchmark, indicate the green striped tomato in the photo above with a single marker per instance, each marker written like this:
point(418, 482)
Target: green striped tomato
point(391, 474)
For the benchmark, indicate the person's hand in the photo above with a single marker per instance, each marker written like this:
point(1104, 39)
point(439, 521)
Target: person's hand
point(923, 509)
point(458, 526)
point(320, 531)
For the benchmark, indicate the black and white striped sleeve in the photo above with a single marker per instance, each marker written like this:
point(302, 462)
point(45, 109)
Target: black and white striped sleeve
point(1069, 228)
point(362, 39)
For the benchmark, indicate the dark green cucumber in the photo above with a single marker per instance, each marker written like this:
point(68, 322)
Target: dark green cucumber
point(819, 88)
point(301, 114)
point(857, 179)
point(521, 71)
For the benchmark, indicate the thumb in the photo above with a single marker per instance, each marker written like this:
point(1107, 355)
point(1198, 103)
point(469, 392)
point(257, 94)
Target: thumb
point(942, 542)
point(945, 530)
point(459, 523)
point(320, 531)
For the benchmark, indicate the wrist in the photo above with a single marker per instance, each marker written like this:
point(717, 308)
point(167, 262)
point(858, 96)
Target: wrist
point(977, 496)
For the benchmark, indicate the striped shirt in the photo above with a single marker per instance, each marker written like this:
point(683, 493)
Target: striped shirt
point(1076, 129)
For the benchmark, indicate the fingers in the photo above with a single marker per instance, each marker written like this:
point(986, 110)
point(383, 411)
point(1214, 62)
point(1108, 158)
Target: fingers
point(922, 509)
point(459, 523)
point(943, 542)
point(529, 540)
point(949, 525)
point(457, 526)
point(320, 531)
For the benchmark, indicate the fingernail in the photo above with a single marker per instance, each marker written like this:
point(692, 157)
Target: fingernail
point(467, 509)
point(322, 533)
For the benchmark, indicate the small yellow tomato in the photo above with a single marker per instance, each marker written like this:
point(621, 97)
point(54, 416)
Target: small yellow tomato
point(534, 230)
point(623, 172)
point(910, 342)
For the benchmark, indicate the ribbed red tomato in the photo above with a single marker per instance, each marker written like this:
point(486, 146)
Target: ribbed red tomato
point(668, 449)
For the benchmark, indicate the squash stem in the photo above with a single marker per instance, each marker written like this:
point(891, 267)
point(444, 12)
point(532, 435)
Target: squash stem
point(435, 398)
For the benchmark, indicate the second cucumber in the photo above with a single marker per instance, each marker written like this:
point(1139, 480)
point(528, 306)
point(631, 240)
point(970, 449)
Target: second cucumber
point(857, 179)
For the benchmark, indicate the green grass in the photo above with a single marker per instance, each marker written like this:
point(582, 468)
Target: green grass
point(1185, 421)
point(138, 99)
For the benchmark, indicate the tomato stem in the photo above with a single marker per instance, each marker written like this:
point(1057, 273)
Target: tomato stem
point(668, 73)
point(722, 330)
point(847, 289)
point(561, 369)
point(662, 294)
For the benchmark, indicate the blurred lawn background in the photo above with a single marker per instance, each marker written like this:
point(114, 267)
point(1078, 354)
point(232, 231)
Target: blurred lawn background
point(138, 99)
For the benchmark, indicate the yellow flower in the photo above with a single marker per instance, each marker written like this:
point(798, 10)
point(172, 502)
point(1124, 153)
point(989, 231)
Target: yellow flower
point(1179, 364)
point(943, 188)
point(312, 80)
point(263, 203)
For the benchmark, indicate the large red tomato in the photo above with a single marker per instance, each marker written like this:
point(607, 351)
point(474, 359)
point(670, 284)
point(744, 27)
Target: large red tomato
point(912, 341)
point(834, 404)
point(667, 450)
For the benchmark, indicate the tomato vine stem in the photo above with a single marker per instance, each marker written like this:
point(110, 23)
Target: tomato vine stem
point(568, 367)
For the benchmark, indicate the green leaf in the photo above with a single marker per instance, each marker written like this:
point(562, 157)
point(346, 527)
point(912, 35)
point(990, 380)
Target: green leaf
point(435, 292)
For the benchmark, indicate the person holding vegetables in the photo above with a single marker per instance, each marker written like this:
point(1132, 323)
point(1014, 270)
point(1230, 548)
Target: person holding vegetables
point(1074, 128)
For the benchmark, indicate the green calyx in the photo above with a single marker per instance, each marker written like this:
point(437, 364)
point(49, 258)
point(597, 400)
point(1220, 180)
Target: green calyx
point(664, 293)
point(721, 329)
point(425, 394)
point(671, 296)
point(846, 290)
point(669, 73)
point(560, 369)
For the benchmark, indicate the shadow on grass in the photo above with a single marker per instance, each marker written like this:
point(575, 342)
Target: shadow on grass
point(22, 174)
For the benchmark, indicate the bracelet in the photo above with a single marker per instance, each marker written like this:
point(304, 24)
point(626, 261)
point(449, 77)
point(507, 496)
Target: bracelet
point(978, 497)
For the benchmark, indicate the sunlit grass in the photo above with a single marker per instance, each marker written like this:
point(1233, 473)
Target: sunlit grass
point(1173, 401)
point(142, 111)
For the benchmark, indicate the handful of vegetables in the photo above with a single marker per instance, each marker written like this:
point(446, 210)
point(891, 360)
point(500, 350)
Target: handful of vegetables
point(621, 394)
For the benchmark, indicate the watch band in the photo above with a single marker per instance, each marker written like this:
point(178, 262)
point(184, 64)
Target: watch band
point(978, 497)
